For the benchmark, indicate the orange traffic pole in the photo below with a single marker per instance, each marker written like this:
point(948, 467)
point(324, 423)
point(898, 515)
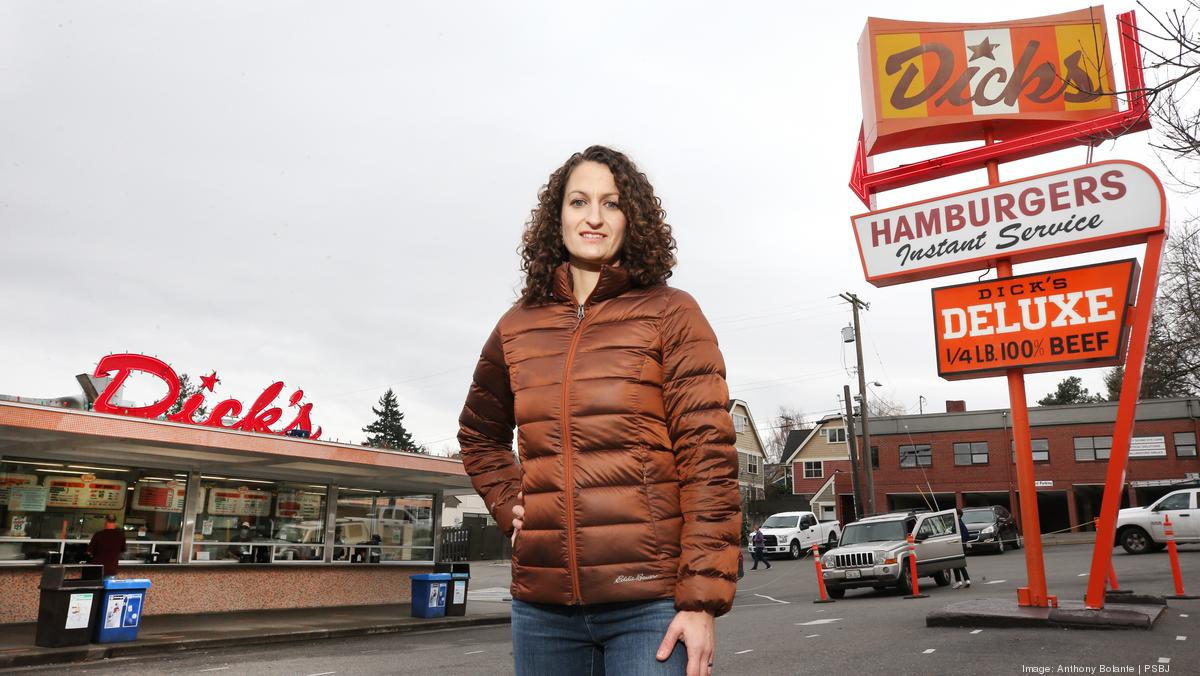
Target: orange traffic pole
point(1169, 531)
point(1118, 459)
point(816, 549)
point(912, 567)
point(1035, 567)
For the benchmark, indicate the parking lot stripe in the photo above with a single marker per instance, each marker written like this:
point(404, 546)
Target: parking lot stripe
point(827, 620)
point(1164, 660)
point(475, 652)
point(1183, 614)
point(1180, 638)
point(930, 650)
point(1082, 575)
point(995, 581)
point(976, 631)
point(772, 599)
point(813, 636)
point(743, 652)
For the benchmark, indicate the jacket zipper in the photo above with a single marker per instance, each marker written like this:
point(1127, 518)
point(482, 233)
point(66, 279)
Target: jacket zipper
point(568, 480)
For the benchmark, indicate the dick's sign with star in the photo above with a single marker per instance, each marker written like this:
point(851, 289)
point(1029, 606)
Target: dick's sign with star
point(925, 83)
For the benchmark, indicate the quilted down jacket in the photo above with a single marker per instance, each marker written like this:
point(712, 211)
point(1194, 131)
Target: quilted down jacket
point(627, 464)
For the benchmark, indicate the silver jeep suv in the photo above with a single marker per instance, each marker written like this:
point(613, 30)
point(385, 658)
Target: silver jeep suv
point(873, 552)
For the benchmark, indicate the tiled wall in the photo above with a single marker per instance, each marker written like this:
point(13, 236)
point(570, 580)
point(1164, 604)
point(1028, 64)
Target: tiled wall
point(202, 589)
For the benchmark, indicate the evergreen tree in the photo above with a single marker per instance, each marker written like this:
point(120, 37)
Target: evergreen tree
point(388, 429)
point(1070, 391)
point(186, 389)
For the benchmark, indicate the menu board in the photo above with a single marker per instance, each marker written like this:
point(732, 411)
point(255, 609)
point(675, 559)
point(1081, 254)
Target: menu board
point(159, 496)
point(239, 501)
point(298, 505)
point(85, 492)
point(8, 480)
point(28, 498)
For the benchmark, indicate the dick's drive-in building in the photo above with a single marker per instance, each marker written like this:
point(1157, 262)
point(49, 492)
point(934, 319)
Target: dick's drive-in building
point(965, 459)
point(219, 517)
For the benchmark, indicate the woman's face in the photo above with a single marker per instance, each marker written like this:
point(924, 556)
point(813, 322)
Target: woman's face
point(593, 225)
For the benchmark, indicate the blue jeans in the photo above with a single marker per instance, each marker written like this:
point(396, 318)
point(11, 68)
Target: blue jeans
point(612, 638)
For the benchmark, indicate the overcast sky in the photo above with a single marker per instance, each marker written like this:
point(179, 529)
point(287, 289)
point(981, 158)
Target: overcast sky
point(331, 194)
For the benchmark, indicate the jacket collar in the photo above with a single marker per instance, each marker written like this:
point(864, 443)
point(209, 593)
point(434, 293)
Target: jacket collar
point(614, 281)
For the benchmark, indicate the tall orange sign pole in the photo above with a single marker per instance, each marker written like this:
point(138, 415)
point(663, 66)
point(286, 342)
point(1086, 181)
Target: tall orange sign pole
point(1039, 85)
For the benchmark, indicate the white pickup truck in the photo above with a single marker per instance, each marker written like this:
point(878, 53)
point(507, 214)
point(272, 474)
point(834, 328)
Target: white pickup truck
point(793, 533)
point(1141, 529)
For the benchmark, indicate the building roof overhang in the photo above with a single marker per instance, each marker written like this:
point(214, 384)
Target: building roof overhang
point(82, 437)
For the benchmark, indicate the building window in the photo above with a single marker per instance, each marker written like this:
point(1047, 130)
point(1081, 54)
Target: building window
point(920, 455)
point(383, 527)
point(1185, 444)
point(836, 435)
point(740, 423)
point(814, 469)
point(874, 457)
point(971, 453)
point(751, 464)
point(257, 521)
point(1088, 449)
point(1041, 450)
point(50, 510)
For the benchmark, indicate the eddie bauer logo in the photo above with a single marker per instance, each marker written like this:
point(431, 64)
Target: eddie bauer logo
point(258, 418)
point(1039, 83)
point(622, 579)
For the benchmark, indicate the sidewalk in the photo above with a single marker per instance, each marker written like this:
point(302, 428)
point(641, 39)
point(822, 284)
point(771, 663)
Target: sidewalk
point(173, 633)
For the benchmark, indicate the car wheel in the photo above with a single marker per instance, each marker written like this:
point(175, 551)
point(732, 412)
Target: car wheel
point(794, 550)
point(1000, 546)
point(1136, 541)
point(1016, 540)
point(836, 592)
point(906, 581)
point(941, 578)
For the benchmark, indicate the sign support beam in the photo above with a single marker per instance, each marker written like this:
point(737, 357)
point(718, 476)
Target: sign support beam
point(1118, 460)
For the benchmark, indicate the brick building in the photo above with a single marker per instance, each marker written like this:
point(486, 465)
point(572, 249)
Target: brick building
point(965, 459)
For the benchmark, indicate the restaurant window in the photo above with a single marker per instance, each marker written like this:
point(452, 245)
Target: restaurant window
point(256, 521)
point(971, 453)
point(375, 526)
point(1185, 444)
point(1040, 447)
point(50, 510)
point(920, 455)
point(814, 469)
point(1088, 449)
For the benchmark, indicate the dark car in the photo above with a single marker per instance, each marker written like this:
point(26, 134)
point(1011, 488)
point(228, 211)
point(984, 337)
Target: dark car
point(990, 528)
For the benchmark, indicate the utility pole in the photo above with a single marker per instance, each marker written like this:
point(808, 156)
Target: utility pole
point(853, 441)
point(856, 303)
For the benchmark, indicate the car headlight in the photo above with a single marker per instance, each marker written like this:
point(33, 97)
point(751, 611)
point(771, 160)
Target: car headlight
point(827, 561)
point(989, 530)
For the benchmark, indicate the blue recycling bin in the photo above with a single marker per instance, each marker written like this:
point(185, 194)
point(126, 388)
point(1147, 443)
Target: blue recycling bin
point(121, 610)
point(429, 594)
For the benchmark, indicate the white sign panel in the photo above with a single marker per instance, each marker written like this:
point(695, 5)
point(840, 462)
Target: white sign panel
point(8, 480)
point(1088, 208)
point(1043, 483)
point(155, 496)
point(1148, 447)
point(238, 502)
point(298, 504)
point(85, 492)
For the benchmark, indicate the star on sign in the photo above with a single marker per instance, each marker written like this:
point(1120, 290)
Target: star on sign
point(209, 382)
point(983, 50)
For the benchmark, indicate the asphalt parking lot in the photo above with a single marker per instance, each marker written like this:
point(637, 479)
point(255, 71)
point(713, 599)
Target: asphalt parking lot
point(775, 629)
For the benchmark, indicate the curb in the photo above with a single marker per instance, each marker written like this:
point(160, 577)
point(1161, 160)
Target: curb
point(95, 653)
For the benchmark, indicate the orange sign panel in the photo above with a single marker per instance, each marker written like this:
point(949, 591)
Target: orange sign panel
point(925, 83)
point(1046, 321)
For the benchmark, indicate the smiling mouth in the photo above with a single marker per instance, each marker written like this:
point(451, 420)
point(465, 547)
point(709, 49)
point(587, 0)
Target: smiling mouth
point(592, 236)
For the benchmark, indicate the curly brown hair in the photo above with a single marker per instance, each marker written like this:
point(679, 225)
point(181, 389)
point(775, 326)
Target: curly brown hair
point(648, 252)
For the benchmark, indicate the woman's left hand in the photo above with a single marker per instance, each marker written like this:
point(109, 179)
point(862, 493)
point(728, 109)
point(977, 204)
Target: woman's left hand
point(697, 630)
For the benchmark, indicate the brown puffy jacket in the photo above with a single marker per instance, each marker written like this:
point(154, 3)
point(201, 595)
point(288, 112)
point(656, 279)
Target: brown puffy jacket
point(627, 462)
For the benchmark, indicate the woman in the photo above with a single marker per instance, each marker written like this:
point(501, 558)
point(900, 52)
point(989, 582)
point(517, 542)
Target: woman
point(624, 510)
point(960, 575)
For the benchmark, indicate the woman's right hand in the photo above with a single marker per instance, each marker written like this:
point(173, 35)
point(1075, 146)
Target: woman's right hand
point(518, 520)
